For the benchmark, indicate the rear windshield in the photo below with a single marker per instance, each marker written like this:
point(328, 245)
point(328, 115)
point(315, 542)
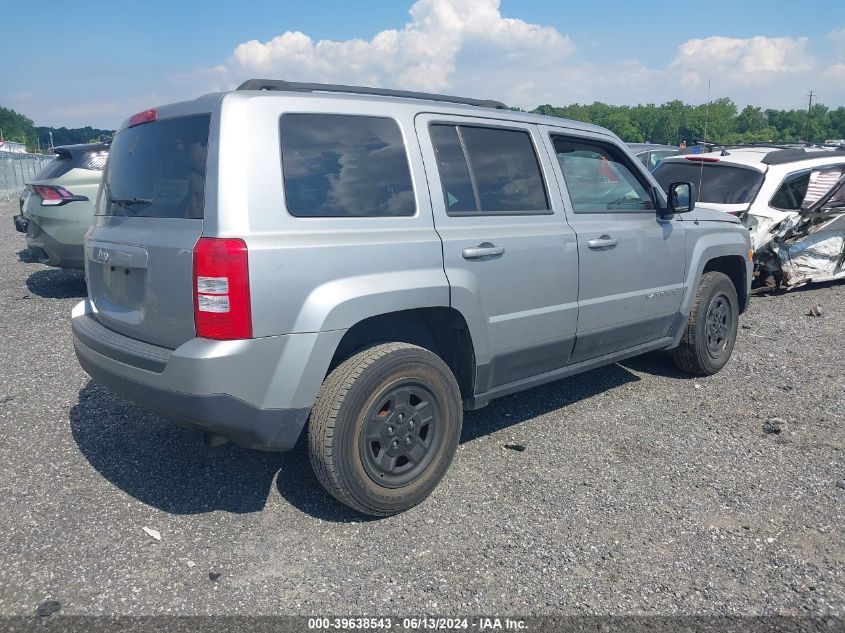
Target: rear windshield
point(94, 160)
point(60, 165)
point(717, 183)
point(157, 170)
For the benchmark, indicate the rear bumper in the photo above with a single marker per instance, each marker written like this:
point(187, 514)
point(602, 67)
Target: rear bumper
point(257, 393)
point(220, 414)
point(46, 250)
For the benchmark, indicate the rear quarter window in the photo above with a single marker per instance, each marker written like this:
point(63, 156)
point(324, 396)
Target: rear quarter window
point(802, 189)
point(339, 165)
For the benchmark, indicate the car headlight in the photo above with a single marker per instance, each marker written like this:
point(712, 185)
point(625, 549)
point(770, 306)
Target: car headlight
point(750, 222)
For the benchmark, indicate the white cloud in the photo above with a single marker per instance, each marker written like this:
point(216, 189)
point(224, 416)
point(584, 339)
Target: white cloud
point(469, 47)
point(733, 60)
point(424, 55)
point(835, 72)
point(765, 71)
point(837, 39)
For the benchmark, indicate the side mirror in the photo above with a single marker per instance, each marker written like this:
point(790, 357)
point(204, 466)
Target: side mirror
point(681, 197)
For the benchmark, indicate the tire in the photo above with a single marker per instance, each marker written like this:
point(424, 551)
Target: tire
point(385, 428)
point(709, 337)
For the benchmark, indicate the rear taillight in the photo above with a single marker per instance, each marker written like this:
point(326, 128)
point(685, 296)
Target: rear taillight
point(703, 159)
point(221, 289)
point(147, 116)
point(52, 196)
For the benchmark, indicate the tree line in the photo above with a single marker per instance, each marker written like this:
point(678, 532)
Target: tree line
point(669, 123)
point(719, 121)
point(17, 127)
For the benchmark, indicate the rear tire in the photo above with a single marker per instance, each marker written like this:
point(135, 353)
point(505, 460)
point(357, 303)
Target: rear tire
point(385, 428)
point(709, 337)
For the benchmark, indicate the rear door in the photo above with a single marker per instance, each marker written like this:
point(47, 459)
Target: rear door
point(139, 252)
point(632, 261)
point(510, 257)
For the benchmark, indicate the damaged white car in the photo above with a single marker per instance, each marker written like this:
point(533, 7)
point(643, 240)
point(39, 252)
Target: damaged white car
point(791, 199)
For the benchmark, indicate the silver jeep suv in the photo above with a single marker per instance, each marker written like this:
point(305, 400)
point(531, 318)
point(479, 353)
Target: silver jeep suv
point(370, 263)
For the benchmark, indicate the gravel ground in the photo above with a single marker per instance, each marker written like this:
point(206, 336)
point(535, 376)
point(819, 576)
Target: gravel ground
point(640, 491)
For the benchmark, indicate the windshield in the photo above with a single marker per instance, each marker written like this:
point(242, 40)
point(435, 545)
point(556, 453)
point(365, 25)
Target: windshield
point(718, 183)
point(157, 170)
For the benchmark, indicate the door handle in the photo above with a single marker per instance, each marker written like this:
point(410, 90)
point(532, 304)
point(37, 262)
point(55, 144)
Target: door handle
point(485, 249)
point(605, 241)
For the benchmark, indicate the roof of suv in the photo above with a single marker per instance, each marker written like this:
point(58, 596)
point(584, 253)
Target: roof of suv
point(761, 158)
point(466, 105)
point(424, 101)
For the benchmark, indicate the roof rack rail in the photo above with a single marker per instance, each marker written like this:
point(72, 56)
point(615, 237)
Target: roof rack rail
point(754, 144)
point(792, 155)
point(291, 86)
point(767, 145)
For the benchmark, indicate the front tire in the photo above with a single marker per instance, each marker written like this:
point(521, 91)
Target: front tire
point(709, 338)
point(385, 428)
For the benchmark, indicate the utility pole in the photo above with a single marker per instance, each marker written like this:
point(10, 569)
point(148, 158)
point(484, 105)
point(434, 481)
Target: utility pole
point(809, 116)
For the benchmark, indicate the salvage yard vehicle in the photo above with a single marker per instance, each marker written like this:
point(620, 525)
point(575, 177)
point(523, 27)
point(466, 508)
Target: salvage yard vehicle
point(789, 198)
point(57, 207)
point(370, 263)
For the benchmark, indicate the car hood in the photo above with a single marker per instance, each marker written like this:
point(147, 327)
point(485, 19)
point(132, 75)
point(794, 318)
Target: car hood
point(706, 212)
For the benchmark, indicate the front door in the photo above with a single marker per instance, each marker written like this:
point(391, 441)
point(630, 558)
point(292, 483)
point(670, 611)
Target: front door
point(632, 261)
point(510, 257)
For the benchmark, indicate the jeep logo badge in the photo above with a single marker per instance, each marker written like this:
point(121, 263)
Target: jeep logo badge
point(102, 256)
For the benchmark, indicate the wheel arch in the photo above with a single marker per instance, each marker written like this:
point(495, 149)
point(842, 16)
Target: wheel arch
point(734, 267)
point(442, 330)
point(725, 250)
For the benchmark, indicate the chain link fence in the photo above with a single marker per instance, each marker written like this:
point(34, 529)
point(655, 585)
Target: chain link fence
point(17, 169)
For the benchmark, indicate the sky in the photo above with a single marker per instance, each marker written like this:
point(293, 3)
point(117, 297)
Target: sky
point(96, 63)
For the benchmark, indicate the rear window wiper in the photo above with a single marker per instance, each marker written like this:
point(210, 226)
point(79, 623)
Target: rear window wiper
point(128, 201)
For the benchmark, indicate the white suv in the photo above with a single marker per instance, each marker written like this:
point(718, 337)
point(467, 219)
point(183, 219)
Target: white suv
point(791, 199)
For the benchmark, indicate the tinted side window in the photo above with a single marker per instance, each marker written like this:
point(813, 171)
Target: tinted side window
point(458, 189)
point(598, 177)
point(488, 170)
point(790, 194)
point(338, 165)
point(655, 158)
point(505, 169)
point(821, 182)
